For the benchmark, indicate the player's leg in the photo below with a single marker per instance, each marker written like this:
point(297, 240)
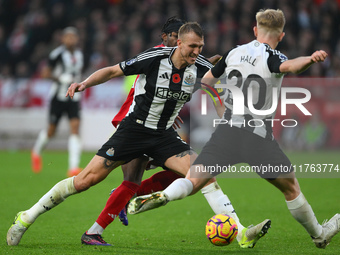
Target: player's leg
point(183, 187)
point(39, 145)
point(157, 182)
point(74, 141)
point(133, 172)
point(95, 172)
point(219, 202)
point(54, 115)
point(176, 155)
point(131, 147)
point(272, 155)
point(114, 205)
point(303, 212)
point(74, 148)
point(213, 153)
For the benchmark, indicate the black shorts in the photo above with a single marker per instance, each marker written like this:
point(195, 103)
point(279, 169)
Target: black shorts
point(58, 108)
point(232, 145)
point(132, 140)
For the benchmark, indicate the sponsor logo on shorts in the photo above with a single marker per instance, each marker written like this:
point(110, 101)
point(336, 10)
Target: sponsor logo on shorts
point(110, 152)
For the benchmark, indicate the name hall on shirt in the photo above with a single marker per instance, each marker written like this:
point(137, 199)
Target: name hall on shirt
point(248, 59)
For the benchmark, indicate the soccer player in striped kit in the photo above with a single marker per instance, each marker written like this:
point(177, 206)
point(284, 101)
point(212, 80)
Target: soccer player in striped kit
point(64, 67)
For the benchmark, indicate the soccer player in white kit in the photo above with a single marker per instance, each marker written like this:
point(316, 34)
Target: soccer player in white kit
point(259, 66)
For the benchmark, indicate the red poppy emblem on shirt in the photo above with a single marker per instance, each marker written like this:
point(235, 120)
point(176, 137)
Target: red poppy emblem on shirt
point(176, 78)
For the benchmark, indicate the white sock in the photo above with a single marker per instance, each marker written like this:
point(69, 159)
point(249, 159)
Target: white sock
point(52, 198)
point(95, 229)
point(179, 189)
point(303, 213)
point(220, 203)
point(41, 142)
point(74, 151)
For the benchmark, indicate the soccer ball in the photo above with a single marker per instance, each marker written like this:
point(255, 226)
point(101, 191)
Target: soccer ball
point(221, 229)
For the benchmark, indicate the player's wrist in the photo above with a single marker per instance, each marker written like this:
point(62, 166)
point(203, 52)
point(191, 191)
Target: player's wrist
point(83, 85)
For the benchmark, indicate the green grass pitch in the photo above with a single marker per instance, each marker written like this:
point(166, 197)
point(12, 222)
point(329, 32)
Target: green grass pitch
point(177, 228)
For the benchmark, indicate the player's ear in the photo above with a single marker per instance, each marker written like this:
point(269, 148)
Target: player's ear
point(179, 42)
point(281, 36)
point(164, 38)
point(255, 30)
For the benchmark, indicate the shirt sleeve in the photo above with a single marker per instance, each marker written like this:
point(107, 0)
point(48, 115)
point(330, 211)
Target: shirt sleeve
point(220, 67)
point(140, 63)
point(53, 60)
point(275, 59)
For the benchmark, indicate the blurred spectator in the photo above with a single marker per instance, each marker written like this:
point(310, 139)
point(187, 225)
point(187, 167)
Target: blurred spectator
point(291, 137)
point(3, 46)
point(314, 133)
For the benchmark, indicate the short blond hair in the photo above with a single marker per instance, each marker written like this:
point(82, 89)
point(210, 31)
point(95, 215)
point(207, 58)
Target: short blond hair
point(271, 20)
point(190, 27)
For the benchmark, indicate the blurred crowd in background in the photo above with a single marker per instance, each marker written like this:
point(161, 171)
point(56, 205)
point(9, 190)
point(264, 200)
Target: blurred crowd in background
point(114, 30)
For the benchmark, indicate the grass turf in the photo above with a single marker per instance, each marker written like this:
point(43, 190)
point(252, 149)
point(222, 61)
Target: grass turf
point(177, 228)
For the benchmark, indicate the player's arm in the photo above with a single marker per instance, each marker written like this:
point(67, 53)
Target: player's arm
point(300, 64)
point(46, 73)
point(135, 65)
point(220, 109)
point(214, 59)
point(209, 79)
point(98, 77)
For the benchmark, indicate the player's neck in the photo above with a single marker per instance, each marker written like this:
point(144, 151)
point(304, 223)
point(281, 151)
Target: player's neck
point(70, 48)
point(178, 60)
point(272, 43)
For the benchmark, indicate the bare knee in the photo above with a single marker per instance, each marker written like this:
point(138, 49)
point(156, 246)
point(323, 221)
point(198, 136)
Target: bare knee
point(74, 126)
point(51, 130)
point(81, 184)
point(96, 171)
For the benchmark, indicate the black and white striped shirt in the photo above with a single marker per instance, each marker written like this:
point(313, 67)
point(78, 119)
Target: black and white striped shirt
point(162, 89)
point(65, 63)
point(253, 65)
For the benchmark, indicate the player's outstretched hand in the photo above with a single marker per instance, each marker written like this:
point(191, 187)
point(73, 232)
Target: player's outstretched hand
point(319, 56)
point(75, 87)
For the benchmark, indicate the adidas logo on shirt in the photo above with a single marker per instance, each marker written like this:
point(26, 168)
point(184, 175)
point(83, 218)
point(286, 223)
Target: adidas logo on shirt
point(164, 76)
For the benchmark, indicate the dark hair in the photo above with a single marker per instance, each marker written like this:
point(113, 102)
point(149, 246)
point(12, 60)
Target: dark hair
point(172, 25)
point(191, 27)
